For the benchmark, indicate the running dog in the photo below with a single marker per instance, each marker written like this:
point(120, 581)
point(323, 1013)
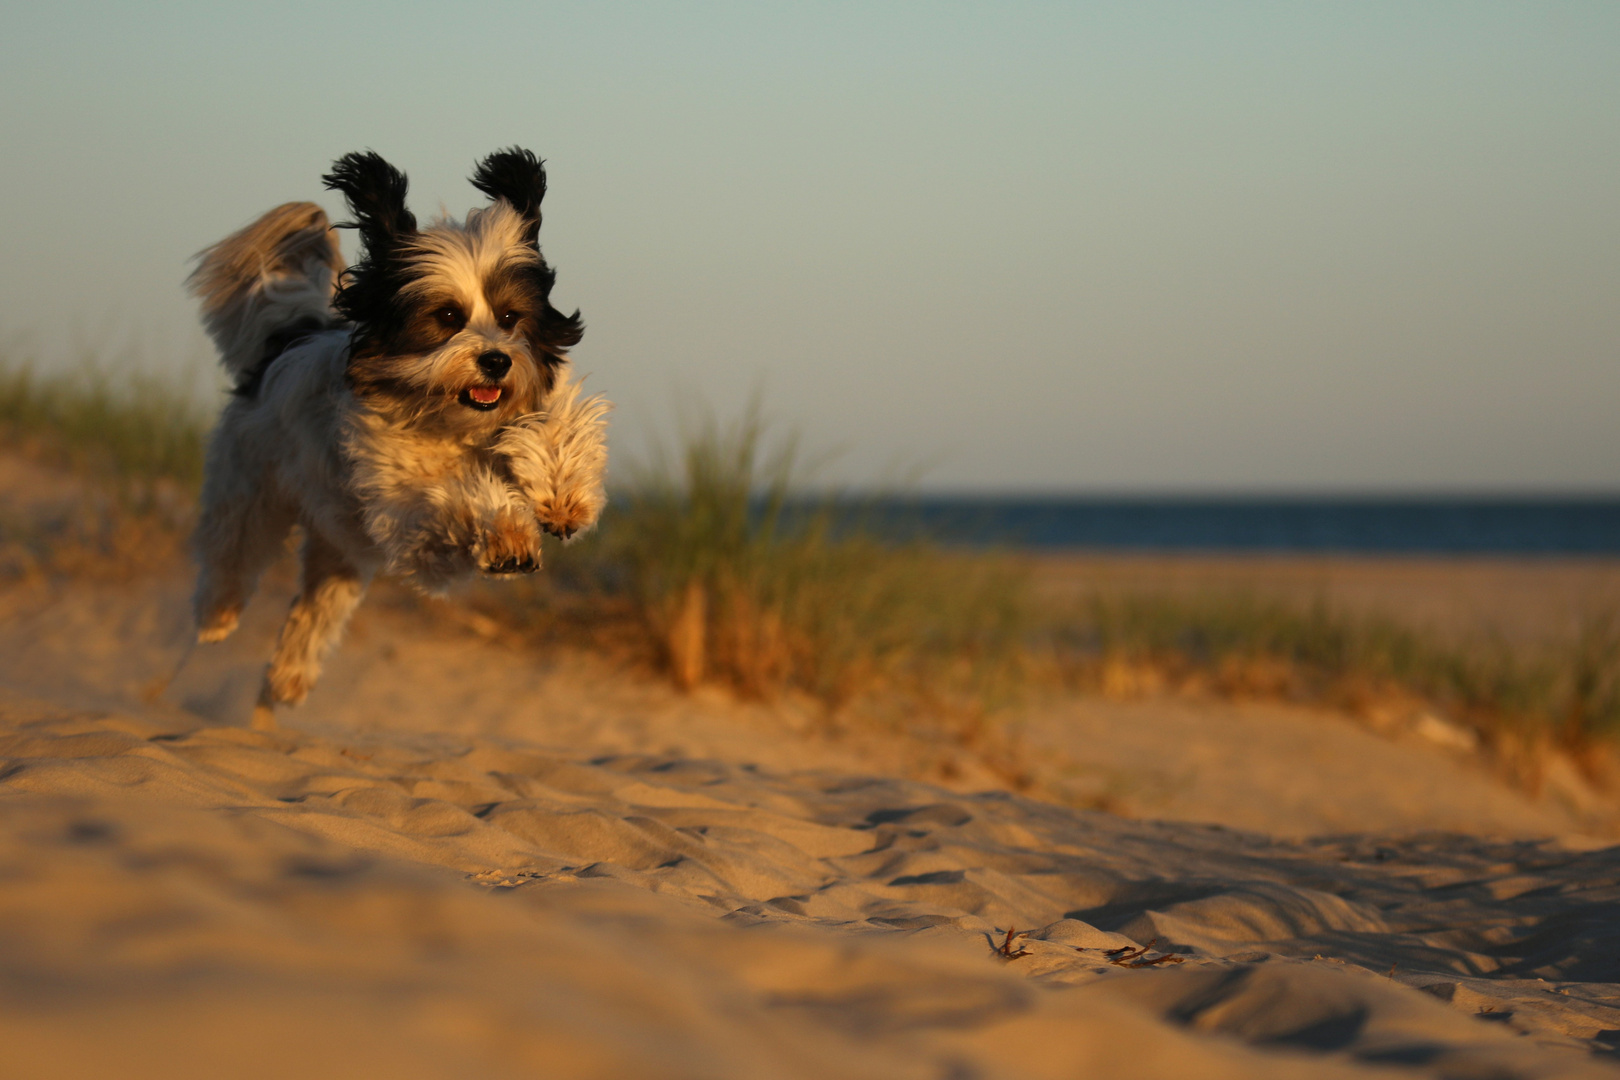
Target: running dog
point(413, 413)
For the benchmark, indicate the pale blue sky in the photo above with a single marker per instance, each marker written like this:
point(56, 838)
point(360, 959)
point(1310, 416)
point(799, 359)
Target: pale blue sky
point(1037, 246)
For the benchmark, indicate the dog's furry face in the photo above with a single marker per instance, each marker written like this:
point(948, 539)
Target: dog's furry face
point(454, 324)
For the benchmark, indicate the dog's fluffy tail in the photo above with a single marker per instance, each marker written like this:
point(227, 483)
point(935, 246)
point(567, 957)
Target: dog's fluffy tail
point(267, 285)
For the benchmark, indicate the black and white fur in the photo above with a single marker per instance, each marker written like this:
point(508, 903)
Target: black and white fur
point(412, 413)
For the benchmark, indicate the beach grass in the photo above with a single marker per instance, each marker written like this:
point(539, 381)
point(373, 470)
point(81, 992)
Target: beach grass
point(1238, 644)
point(135, 445)
point(730, 571)
point(136, 429)
point(718, 563)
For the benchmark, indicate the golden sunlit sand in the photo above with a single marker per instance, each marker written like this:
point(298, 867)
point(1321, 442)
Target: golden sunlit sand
point(750, 782)
point(469, 853)
point(1528, 600)
point(462, 858)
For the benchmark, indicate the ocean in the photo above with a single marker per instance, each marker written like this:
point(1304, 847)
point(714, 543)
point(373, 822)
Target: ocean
point(1381, 526)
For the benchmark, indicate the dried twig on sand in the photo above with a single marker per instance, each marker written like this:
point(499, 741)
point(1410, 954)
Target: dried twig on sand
point(1005, 950)
point(1137, 956)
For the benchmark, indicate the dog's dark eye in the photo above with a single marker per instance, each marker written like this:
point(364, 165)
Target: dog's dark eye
point(509, 320)
point(450, 317)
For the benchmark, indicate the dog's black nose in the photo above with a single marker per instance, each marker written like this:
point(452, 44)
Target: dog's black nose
point(495, 363)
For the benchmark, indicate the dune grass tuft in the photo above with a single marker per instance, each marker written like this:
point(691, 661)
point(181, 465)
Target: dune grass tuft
point(133, 428)
point(136, 445)
point(733, 574)
point(718, 565)
point(1239, 644)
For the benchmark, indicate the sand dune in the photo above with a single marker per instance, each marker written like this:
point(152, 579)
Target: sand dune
point(184, 899)
point(461, 860)
point(1275, 768)
point(1526, 600)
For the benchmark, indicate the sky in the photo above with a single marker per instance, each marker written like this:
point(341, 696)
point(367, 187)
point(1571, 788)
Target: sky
point(1015, 247)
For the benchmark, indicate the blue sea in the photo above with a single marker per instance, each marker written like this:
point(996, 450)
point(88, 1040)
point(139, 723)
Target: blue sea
point(1381, 526)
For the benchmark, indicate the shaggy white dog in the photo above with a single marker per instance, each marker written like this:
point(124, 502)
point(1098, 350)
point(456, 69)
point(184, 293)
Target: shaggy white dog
point(413, 413)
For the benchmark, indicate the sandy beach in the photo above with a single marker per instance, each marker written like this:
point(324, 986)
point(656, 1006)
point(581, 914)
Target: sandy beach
point(781, 317)
point(751, 379)
point(1525, 600)
point(462, 858)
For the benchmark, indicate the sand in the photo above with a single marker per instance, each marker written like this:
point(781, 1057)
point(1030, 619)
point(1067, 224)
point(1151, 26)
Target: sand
point(1526, 601)
point(212, 901)
point(460, 859)
point(465, 858)
point(1276, 768)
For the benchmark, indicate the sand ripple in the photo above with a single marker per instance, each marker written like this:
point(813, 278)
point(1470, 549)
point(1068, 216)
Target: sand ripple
point(215, 901)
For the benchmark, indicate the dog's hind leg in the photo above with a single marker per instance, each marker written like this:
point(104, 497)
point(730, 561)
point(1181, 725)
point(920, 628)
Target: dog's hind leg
point(332, 588)
point(240, 529)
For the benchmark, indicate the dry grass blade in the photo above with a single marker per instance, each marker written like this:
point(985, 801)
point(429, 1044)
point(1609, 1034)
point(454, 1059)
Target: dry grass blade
point(1005, 950)
point(1137, 956)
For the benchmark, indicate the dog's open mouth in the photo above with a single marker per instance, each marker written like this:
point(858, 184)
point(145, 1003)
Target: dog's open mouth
point(483, 398)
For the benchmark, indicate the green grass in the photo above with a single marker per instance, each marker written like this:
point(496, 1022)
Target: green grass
point(731, 573)
point(1243, 644)
point(136, 442)
point(133, 429)
point(716, 564)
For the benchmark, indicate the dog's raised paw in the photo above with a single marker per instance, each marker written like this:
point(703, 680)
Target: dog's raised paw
point(525, 565)
point(510, 546)
point(567, 514)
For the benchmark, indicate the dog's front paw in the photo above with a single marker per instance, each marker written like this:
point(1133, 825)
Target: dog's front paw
point(514, 564)
point(511, 545)
point(558, 458)
point(570, 512)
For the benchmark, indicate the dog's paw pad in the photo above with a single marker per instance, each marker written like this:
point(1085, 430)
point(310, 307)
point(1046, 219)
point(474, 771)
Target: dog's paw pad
point(512, 546)
point(526, 564)
point(565, 516)
point(511, 565)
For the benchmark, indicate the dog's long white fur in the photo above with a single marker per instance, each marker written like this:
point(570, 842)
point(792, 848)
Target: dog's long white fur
point(374, 493)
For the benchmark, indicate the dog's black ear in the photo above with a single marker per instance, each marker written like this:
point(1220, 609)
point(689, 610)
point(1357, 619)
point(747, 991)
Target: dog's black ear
point(518, 177)
point(376, 194)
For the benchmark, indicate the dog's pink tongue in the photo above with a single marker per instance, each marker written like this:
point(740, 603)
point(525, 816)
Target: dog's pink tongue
point(485, 395)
